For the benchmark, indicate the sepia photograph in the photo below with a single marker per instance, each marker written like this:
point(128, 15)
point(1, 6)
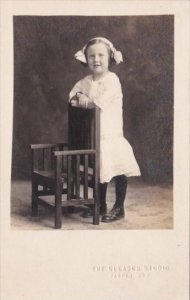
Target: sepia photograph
point(94, 150)
point(83, 83)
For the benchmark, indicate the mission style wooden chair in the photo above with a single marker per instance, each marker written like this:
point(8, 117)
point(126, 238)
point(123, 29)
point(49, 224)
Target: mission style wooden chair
point(65, 172)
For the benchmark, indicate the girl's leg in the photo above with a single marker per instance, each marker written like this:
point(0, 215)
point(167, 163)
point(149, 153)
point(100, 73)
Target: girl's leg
point(117, 211)
point(120, 189)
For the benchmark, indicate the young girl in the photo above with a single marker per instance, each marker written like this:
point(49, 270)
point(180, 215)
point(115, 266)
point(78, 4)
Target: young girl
point(103, 88)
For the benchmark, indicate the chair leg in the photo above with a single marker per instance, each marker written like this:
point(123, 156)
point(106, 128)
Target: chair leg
point(58, 213)
point(96, 219)
point(96, 215)
point(34, 197)
point(58, 206)
point(58, 192)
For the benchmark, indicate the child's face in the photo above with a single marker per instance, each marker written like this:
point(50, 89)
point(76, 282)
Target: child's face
point(98, 59)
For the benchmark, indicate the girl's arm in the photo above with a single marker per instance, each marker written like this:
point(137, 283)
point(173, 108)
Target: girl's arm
point(73, 95)
point(81, 100)
point(78, 98)
point(75, 90)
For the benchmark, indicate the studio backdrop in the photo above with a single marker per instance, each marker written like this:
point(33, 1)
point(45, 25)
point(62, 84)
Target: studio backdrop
point(45, 70)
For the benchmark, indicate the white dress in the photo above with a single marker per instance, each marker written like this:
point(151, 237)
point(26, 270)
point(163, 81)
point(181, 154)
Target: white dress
point(116, 154)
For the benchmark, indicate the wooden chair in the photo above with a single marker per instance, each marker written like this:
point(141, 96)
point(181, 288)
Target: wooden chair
point(66, 171)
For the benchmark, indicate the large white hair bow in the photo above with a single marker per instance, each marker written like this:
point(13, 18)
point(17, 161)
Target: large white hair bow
point(117, 55)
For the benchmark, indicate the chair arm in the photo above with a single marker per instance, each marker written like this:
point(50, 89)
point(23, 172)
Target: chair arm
point(45, 146)
point(74, 152)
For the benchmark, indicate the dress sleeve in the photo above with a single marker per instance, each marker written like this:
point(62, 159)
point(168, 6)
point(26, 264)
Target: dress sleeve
point(109, 92)
point(77, 88)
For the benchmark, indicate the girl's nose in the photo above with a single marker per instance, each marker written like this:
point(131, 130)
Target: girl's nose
point(96, 58)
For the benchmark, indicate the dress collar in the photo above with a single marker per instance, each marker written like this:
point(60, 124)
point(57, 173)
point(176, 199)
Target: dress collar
point(101, 79)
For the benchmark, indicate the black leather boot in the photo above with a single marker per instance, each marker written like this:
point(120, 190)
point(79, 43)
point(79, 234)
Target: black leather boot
point(115, 214)
point(117, 211)
point(88, 213)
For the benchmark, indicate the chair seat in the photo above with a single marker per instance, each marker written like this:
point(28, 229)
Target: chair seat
point(50, 174)
point(49, 200)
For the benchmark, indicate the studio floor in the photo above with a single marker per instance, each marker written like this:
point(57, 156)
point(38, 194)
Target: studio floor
point(146, 207)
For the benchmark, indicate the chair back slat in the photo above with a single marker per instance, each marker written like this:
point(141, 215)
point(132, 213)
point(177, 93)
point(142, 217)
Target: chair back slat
point(86, 176)
point(69, 174)
point(77, 176)
point(83, 130)
point(79, 128)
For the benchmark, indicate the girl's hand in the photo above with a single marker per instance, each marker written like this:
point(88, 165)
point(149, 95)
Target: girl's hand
point(74, 101)
point(83, 101)
point(91, 104)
